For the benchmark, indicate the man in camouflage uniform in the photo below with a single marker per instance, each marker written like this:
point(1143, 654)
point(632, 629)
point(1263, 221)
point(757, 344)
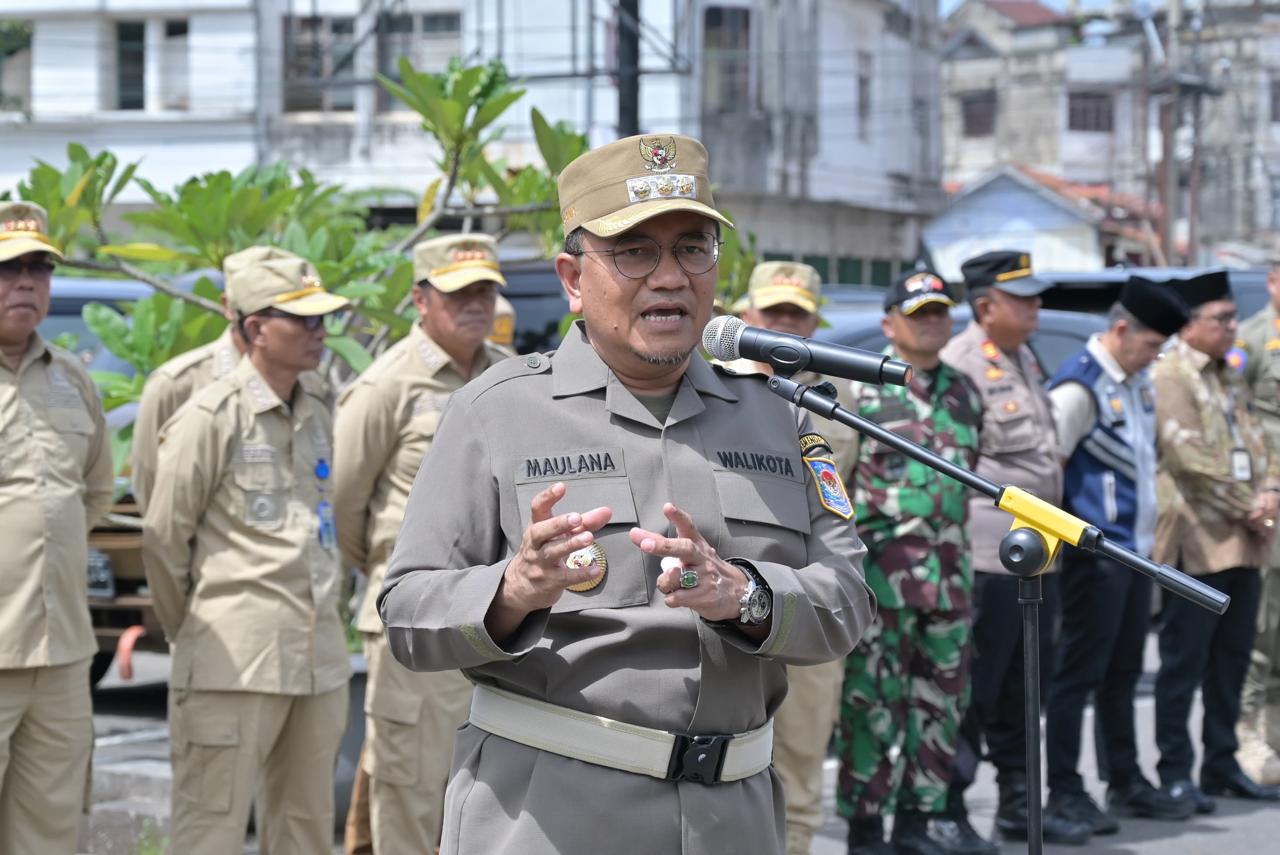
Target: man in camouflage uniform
point(1259, 729)
point(1218, 490)
point(784, 296)
point(907, 683)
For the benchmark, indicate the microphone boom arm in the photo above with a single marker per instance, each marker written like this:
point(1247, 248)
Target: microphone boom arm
point(1054, 525)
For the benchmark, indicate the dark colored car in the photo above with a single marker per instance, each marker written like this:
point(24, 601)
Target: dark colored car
point(534, 290)
point(853, 319)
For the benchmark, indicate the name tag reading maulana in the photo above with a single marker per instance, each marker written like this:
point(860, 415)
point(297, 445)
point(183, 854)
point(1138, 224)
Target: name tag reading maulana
point(577, 463)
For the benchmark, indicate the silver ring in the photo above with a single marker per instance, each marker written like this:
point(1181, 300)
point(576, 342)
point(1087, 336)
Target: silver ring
point(1269, 523)
point(688, 578)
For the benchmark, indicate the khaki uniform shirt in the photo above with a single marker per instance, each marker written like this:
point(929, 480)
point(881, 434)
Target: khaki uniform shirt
point(55, 483)
point(170, 386)
point(1203, 508)
point(385, 423)
point(1018, 443)
point(245, 589)
point(728, 453)
point(1260, 336)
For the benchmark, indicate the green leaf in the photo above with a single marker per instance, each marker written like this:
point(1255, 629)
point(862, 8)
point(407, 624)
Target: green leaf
point(350, 351)
point(493, 108)
point(548, 142)
point(112, 330)
point(500, 187)
point(144, 329)
point(148, 252)
point(122, 181)
point(77, 153)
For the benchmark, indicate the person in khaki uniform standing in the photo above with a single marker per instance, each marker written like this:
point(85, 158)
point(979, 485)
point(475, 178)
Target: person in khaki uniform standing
point(173, 383)
point(241, 554)
point(1218, 491)
point(784, 296)
point(1259, 729)
point(1018, 445)
point(632, 550)
point(385, 423)
point(55, 484)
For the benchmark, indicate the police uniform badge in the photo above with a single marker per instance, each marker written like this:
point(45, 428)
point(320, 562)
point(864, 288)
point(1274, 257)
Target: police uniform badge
point(994, 373)
point(831, 491)
point(583, 558)
point(990, 351)
point(1237, 357)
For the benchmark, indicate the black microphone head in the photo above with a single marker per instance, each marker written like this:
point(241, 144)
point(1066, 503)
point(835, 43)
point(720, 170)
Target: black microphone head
point(720, 337)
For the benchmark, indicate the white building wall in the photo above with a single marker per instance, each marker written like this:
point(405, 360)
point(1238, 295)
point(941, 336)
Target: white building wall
point(69, 65)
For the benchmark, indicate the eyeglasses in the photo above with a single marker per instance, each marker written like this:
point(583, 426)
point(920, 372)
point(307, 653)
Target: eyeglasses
point(35, 267)
point(311, 322)
point(637, 257)
point(1222, 319)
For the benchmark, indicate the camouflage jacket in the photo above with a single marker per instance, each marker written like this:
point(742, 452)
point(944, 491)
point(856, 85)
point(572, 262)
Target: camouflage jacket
point(911, 518)
point(1260, 342)
point(1203, 506)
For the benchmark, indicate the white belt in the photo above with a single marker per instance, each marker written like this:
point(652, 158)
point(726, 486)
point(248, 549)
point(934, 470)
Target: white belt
point(617, 745)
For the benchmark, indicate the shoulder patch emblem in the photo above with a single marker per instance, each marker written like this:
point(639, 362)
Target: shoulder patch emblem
point(831, 491)
point(810, 442)
point(990, 351)
point(1237, 358)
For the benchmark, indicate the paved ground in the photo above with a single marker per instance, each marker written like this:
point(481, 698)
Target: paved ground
point(131, 757)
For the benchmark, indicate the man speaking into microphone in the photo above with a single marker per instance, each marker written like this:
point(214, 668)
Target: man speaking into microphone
point(632, 548)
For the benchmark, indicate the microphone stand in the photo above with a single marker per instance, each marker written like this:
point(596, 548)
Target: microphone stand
point(1039, 530)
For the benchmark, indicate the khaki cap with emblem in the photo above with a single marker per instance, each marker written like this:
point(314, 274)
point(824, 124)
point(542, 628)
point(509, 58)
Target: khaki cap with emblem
point(267, 277)
point(616, 187)
point(452, 262)
point(23, 229)
point(773, 283)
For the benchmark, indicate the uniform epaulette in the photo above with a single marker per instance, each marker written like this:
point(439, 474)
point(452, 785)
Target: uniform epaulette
point(508, 369)
point(184, 362)
point(212, 397)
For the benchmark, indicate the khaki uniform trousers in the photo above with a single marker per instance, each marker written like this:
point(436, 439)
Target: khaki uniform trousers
point(1264, 663)
point(46, 739)
point(410, 721)
point(802, 730)
point(225, 746)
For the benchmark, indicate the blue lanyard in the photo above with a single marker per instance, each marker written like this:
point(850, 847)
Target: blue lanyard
point(328, 529)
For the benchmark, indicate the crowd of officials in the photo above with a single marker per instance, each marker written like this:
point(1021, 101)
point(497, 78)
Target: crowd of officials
point(620, 592)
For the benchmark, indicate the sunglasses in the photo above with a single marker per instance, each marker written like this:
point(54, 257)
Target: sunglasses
point(34, 267)
point(311, 322)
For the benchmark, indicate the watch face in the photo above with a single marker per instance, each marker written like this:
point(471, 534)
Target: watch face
point(758, 605)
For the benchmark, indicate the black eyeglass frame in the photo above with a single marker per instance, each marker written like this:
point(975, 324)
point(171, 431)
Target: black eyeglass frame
point(716, 243)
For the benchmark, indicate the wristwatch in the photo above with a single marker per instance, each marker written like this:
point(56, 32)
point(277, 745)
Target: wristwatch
point(756, 604)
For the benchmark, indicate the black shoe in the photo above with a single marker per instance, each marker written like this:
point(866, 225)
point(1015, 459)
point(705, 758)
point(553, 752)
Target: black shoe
point(1238, 785)
point(1012, 819)
point(1139, 798)
point(911, 835)
point(953, 832)
point(866, 837)
point(1185, 791)
point(1077, 806)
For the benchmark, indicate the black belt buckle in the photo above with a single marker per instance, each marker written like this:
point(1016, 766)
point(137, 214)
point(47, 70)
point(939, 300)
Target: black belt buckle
point(698, 759)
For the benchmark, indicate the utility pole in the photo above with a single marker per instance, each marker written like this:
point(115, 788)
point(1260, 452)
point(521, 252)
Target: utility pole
point(1169, 128)
point(628, 67)
point(1193, 205)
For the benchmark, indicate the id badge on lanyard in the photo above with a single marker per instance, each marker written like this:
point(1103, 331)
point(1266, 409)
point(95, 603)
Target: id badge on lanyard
point(328, 529)
point(1241, 465)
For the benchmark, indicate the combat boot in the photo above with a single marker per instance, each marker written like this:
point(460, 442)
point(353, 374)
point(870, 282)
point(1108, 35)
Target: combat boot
point(953, 832)
point(911, 834)
point(1012, 818)
point(1256, 757)
point(866, 837)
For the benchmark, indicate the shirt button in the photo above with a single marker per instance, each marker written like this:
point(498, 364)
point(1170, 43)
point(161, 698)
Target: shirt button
point(921, 572)
point(533, 361)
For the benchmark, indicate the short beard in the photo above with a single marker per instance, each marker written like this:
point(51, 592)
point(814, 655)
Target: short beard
point(669, 358)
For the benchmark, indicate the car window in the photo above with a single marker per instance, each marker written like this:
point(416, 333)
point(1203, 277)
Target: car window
point(1054, 347)
point(65, 326)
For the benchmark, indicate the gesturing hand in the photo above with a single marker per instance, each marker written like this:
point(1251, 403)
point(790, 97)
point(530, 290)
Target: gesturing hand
point(536, 577)
point(720, 585)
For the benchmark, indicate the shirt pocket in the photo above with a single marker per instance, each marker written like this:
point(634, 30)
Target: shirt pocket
point(625, 582)
point(72, 427)
point(262, 490)
point(767, 518)
point(1010, 427)
point(415, 442)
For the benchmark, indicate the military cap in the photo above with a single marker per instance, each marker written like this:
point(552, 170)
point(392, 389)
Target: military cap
point(23, 229)
point(267, 277)
point(914, 289)
point(1203, 288)
point(452, 262)
point(1007, 269)
point(616, 187)
point(1156, 305)
point(776, 282)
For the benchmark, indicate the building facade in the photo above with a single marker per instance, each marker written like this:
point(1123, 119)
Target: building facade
point(821, 115)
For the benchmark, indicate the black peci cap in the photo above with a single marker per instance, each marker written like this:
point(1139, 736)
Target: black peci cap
point(1203, 288)
point(1157, 305)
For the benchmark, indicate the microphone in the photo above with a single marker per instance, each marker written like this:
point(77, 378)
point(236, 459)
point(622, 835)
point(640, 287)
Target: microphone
point(727, 338)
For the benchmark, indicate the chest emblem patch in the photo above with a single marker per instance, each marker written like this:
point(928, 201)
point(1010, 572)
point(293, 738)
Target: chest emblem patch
point(584, 558)
point(831, 491)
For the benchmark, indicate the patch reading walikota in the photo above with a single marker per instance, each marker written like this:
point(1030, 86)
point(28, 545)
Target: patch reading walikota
point(755, 461)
